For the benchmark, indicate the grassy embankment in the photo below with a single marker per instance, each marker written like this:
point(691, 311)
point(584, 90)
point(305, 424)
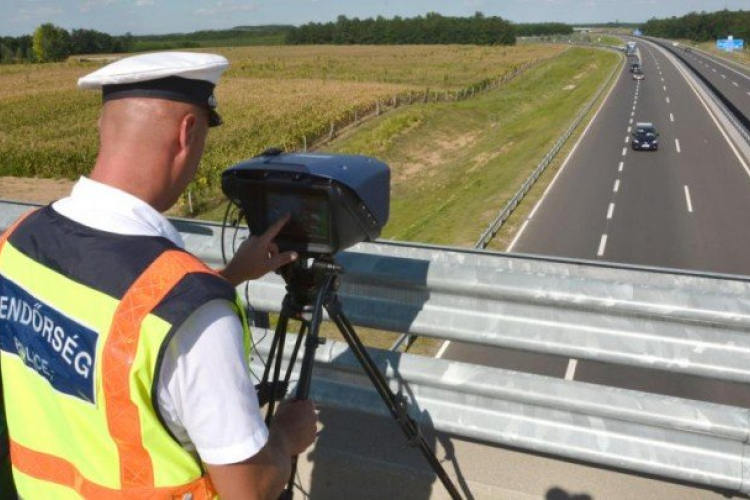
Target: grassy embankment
point(455, 165)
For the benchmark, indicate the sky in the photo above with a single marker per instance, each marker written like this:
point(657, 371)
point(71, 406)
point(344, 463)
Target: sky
point(140, 17)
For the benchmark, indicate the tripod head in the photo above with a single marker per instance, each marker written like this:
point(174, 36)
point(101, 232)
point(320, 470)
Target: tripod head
point(305, 277)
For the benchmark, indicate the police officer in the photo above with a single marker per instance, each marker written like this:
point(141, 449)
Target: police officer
point(123, 357)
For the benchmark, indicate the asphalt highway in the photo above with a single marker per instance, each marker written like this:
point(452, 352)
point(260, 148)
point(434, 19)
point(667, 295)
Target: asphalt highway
point(683, 207)
point(732, 80)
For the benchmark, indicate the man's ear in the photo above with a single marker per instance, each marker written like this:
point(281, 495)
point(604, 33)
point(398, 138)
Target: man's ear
point(188, 132)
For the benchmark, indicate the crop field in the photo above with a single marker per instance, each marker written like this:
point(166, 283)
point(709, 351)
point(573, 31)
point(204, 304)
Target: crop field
point(271, 96)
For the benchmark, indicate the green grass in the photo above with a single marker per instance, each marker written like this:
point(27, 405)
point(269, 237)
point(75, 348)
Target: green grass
point(455, 165)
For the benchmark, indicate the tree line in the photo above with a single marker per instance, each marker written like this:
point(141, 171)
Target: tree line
point(433, 28)
point(51, 43)
point(543, 29)
point(701, 27)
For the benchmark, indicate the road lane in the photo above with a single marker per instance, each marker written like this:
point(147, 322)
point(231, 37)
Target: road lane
point(683, 206)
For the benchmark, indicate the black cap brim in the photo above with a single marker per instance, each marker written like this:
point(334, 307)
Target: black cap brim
point(214, 120)
point(198, 92)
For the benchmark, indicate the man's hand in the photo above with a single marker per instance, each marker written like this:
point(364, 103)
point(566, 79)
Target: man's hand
point(258, 256)
point(296, 421)
point(265, 475)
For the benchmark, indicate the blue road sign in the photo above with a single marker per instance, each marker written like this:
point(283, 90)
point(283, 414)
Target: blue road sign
point(730, 44)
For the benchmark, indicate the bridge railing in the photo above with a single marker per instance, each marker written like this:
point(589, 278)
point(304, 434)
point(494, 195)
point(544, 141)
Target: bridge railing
point(684, 323)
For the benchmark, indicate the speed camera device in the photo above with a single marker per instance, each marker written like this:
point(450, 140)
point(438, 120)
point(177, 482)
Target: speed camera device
point(335, 201)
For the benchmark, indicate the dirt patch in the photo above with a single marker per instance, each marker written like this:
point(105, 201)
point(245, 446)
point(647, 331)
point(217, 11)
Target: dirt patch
point(40, 191)
point(434, 156)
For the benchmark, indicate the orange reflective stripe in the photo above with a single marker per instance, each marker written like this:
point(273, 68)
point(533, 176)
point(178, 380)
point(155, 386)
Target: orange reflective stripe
point(136, 468)
point(56, 470)
point(9, 231)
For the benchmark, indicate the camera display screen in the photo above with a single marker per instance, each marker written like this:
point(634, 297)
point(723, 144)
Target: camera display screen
point(310, 216)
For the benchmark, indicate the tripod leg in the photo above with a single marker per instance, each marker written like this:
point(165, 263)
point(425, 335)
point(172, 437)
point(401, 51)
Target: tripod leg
point(279, 339)
point(397, 407)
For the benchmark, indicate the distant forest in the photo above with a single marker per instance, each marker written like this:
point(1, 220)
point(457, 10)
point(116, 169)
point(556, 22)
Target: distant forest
point(701, 27)
point(430, 29)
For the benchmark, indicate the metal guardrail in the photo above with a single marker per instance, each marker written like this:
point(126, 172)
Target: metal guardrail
point(511, 205)
point(687, 323)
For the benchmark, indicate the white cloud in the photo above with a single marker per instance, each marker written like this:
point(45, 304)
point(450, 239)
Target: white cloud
point(87, 5)
point(227, 7)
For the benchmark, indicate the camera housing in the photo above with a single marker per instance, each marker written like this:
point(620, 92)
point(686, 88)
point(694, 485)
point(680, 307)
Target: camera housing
point(335, 201)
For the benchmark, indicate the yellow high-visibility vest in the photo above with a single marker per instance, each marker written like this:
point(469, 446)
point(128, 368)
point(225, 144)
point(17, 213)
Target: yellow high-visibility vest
point(85, 317)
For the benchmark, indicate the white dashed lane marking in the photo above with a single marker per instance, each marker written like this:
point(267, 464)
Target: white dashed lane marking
point(611, 210)
point(671, 117)
point(602, 246)
point(687, 198)
point(677, 145)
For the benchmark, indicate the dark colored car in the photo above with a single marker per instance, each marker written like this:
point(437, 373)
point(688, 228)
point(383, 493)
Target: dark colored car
point(634, 67)
point(645, 137)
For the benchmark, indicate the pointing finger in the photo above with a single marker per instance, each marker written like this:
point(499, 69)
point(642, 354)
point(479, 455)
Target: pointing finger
point(274, 228)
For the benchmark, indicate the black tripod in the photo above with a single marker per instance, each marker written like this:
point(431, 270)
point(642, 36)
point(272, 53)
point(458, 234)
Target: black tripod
point(309, 290)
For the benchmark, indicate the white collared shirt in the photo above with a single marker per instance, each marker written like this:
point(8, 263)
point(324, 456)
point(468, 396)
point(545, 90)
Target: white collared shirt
point(204, 393)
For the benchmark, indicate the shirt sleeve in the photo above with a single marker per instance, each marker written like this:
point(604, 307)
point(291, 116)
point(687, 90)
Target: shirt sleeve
point(205, 393)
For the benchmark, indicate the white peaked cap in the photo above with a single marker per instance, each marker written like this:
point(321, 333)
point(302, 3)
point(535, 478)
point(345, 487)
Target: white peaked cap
point(153, 66)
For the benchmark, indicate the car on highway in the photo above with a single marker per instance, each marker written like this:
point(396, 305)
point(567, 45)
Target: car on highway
point(645, 137)
point(634, 67)
point(638, 74)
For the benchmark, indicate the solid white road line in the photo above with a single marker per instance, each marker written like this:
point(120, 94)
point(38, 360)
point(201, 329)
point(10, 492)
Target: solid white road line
point(611, 210)
point(671, 117)
point(602, 246)
point(570, 372)
point(687, 198)
point(677, 145)
point(617, 186)
point(620, 167)
point(518, 234)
